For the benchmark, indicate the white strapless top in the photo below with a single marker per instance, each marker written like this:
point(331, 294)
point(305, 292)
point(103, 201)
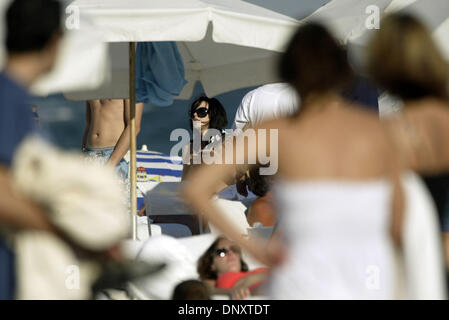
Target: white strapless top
point(338, 237)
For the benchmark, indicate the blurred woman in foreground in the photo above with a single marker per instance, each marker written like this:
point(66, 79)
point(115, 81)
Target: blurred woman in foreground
point(204, 114)
point(337, 186)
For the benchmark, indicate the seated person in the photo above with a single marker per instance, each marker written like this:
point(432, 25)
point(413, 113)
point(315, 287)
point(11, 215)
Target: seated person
point(222, 267)
point(205, 114)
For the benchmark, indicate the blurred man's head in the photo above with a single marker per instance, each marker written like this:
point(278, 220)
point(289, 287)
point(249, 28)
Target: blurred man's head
point(34, 27)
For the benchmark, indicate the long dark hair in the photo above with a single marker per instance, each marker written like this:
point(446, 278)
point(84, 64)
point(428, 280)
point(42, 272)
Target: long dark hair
point(30, 25)
point(314, 62)
point(204, 266)
point(217, 113)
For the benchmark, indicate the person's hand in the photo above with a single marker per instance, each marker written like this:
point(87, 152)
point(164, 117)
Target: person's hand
point(240, 293)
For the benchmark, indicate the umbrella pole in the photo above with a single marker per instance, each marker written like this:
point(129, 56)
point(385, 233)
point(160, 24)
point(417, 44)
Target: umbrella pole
point(132, 171)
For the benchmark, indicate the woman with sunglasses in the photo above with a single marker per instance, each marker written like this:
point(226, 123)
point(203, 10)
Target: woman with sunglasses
point(222, 267)
point(205, 114)
point(336, 185)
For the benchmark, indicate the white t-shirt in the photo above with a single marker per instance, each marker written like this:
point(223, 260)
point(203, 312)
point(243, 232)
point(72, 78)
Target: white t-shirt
point(267, 102)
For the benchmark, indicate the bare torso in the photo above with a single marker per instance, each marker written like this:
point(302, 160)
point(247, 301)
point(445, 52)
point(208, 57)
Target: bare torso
point(107, 122)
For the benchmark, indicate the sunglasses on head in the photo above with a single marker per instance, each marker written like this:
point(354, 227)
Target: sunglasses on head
point(201, 112)
point(223, 251)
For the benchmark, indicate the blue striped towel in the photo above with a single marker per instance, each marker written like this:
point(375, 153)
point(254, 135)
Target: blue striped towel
point(155, 167)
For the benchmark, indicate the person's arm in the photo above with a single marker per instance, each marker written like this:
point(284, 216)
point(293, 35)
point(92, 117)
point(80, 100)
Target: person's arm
point(17, 212)
point(143, 211)
point(398, 201)
point(87, 126)
point(186, 161)
point(122, 146)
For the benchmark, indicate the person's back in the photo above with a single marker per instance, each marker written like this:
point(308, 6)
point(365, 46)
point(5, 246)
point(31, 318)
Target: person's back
point(107, 131)
point(335, 186)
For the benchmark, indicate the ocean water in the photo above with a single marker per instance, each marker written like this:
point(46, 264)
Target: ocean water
point(64, 120)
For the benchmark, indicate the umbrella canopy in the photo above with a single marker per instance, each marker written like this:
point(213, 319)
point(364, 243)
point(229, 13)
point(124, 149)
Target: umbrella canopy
point(226, 45)
point(82, 61)
point(434, 13)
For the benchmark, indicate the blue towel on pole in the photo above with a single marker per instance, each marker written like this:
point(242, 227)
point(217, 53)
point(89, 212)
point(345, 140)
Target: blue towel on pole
point(159, 73)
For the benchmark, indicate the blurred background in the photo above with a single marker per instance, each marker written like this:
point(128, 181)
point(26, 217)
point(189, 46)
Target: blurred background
point(64, 119)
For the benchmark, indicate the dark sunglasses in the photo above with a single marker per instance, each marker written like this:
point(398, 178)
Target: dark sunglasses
point(201, 112)
point(223, 251)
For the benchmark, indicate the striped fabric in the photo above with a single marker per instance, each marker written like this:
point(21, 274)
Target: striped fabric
point(154, 167)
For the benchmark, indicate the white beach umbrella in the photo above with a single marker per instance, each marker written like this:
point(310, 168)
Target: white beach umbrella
point(82, 61)
point(226, 45)
point(434, 13)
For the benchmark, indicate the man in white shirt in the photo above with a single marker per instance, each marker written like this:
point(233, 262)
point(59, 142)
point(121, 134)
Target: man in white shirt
point(267, 102)
point(270, 101)
point(275, 100)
